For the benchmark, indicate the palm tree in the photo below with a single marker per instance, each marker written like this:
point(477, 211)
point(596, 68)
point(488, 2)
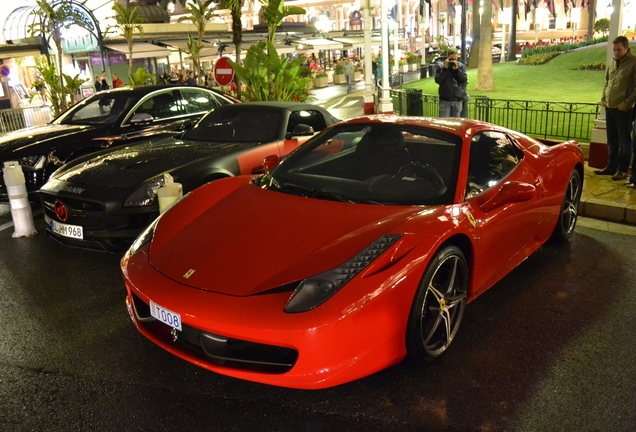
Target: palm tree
point(199, 13)
point(235, 7)
point(274, 12)
point(52, 18)
point(484, 71)
point(128, 20)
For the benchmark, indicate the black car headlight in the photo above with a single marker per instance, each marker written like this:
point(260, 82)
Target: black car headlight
point(315, 290)
point(145, 195)
point(32, 162)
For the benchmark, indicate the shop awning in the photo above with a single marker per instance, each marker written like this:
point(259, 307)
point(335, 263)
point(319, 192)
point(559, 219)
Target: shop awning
point(19, 50)
point(140, 49)
point(319, 43)
point(357, 41)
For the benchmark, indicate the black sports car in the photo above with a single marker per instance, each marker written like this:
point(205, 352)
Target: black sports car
point(104, 200)
point(106, 119)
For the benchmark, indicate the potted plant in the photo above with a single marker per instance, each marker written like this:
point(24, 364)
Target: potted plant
point(338, 74)
point(357, 74)
point(321, 80)
point(413, 60)
point(403, 65)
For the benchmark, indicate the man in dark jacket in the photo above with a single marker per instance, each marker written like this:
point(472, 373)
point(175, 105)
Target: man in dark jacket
point(619, 95)
point(452, 79)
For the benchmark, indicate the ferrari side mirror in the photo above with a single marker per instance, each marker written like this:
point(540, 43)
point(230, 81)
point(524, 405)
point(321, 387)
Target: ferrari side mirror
point(510, 192)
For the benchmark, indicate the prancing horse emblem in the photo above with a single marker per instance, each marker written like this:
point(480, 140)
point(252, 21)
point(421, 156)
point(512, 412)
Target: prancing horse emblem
point(189, 273)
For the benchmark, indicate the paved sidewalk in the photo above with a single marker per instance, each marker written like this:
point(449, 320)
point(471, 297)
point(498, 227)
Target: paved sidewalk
point(603, 200)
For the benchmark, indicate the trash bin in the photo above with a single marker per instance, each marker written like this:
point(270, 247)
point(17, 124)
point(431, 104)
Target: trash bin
point(423, 71)
point(413, 102)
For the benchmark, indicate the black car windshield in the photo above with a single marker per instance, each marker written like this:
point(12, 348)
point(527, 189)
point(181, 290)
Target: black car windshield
point(239, 124)
point(376, 163)
point(106, 108)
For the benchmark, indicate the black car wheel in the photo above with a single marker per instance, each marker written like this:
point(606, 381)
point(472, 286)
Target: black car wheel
point(439, 305)
point(569, 209)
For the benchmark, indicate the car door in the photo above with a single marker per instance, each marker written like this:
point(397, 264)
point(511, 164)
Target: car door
point(504, 198)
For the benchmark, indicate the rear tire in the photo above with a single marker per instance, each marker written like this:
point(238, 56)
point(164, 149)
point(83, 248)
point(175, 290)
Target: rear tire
point(439, 304)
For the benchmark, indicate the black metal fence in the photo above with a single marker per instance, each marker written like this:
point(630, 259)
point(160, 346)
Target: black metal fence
point(556, 120)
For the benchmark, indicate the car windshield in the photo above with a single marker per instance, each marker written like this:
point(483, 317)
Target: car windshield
point(375, 163)
point(106, 108)
point(243, 124)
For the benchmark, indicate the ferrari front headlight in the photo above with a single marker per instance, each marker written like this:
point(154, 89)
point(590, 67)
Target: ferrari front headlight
point(144, 238)
point(315, 290)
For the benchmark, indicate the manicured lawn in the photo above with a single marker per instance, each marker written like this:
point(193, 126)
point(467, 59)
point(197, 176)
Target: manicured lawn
point(558, 80)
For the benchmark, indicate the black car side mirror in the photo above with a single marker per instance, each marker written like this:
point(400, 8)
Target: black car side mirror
point(141, 118)
point(301, 129)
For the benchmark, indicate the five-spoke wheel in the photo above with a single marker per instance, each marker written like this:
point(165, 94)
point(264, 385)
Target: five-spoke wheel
point(439, 305)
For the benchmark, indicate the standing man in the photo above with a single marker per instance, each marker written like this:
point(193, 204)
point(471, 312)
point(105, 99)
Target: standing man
point(452, 80)
point(104, 83)
point(98, 84)
point(619, 95)
point(348, 73)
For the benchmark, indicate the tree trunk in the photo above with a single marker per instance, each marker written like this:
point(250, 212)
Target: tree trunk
point(591, 11)
point(237, 38)
point(130, 58)
point(474, 47)
point(58, 46)
point(484, 71)
point(512, 39)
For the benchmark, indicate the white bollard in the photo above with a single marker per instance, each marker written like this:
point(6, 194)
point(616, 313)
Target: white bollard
point(19, 200)
point(168, 193)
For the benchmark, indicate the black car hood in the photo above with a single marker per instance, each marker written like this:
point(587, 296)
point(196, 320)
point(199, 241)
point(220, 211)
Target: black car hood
point(28, 139)
point(132, 165)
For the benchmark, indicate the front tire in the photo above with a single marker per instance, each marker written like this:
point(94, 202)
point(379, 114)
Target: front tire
point(569, 209)
point(439, 305)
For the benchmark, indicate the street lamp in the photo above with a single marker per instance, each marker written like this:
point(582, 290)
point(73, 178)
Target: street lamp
point(323, 24)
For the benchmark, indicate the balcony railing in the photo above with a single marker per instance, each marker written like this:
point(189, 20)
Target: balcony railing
point(543, 119)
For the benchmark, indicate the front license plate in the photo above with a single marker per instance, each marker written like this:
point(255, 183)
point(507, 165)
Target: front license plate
point(166, 316)
point(65, 230)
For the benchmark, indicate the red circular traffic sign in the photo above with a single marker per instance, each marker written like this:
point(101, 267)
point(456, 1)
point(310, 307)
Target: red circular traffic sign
point(223, 72)
point(4, 70)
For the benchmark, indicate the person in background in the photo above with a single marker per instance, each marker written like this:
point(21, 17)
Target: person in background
point(104, 83)
point(378, 69)
point(191, 81)
point(619, 95)
point(631, 183)
point(348, 73)
point(98, 84)
point(117, 82)
point(452, 78)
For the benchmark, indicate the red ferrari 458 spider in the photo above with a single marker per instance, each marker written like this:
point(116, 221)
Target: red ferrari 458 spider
point(362, 247)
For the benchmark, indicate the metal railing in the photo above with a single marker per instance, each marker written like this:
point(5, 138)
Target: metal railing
point(18, 118)
point(555, 120)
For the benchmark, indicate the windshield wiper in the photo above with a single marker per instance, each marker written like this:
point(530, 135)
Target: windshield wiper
point(321, 193)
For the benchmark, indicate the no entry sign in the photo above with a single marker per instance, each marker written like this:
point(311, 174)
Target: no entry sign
point(223, 72)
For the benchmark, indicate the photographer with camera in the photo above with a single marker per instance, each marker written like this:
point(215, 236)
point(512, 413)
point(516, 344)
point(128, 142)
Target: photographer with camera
point(452, 79)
